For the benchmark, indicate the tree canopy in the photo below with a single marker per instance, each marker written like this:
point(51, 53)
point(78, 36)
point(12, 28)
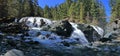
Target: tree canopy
point(115, 12)
point(82, 11)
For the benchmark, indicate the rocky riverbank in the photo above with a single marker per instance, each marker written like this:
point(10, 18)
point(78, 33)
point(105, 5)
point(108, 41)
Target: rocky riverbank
point(36, 36)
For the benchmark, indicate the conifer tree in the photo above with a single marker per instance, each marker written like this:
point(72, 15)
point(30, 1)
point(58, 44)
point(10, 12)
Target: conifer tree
point(115, 4)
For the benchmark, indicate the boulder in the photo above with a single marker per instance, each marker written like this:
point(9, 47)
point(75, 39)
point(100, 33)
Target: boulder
point(14, 52)
point(91, 32)
point(113, 29)
point(62, 28)
point(112, 34)
point(113, 26)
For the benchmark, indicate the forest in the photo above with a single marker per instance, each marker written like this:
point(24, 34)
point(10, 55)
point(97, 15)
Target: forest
point(83, 11)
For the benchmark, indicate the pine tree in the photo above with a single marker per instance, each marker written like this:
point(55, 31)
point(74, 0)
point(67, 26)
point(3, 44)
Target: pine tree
point(26, 8)
point(115, 4)
point(54, 13)
point(3, 9)
point(71, 11)
point(40, 12)
point(81, 12)
point(36, 7)
point(47, 12)
point(13, 8)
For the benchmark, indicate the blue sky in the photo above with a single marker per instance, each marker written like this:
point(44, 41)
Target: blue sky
point(107, 8)
point(52, 3)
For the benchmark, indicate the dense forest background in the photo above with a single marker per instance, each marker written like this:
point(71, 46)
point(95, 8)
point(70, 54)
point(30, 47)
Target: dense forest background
point(82, 11)
point(115, 13)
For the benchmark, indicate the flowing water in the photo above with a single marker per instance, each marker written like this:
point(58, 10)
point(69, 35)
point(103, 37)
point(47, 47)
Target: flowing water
point(32, 21)
point(78, 34)
point(99, 30)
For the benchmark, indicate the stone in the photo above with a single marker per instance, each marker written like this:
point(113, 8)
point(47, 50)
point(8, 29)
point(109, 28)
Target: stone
point(62, 28)
point(90, 33)
point(14, 52)
point(113, 29)
point(105, 39)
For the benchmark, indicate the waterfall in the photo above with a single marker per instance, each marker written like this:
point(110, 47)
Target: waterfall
point(78, 34)
point(99, 30)
point(32, 21)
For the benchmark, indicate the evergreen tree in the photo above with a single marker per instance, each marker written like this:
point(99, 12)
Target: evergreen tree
point(84, 11)
point(115, 4)
point(13, 8)
point(81, 12)
point(71, 11)
point(47, 12)
point(26, 8)
point(3, 9)
point(40, 12)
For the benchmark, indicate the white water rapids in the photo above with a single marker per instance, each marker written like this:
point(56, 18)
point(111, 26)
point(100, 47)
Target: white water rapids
point(77, 33)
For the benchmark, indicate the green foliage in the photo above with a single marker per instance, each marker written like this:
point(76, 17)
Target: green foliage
point(3, 9)
point(83, 11)
point(115, 5)
point(47, 13)
point(19, 8)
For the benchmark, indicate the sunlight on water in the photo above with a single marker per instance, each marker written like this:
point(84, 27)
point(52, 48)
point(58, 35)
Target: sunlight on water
point(78, 34)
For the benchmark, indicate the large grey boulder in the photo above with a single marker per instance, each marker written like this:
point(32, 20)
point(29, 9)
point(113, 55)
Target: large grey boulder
point(14, 52)
point(112, 26)
point(113, 29)
point(62, 28)
point(91, 32)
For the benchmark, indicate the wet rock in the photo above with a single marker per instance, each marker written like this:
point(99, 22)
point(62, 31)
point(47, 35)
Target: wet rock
point(90, 33)
point(14, 52)
point(105, 39)
point(62, 28)
point(113, 26)
point(35, 21)
point(65, 43)
point(113, 29)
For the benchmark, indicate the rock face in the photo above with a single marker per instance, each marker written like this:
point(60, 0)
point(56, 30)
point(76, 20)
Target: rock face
point(14, 52)
point(113, 30)
point(91, 32)
point(62, 28)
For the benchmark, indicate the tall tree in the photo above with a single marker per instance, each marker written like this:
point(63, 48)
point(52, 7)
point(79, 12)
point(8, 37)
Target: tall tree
point(81, 12)
point(3, 9)
point(47, 12)
point(13, 8)
point(40, 12)
point(115, 4)
point(26, 8)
